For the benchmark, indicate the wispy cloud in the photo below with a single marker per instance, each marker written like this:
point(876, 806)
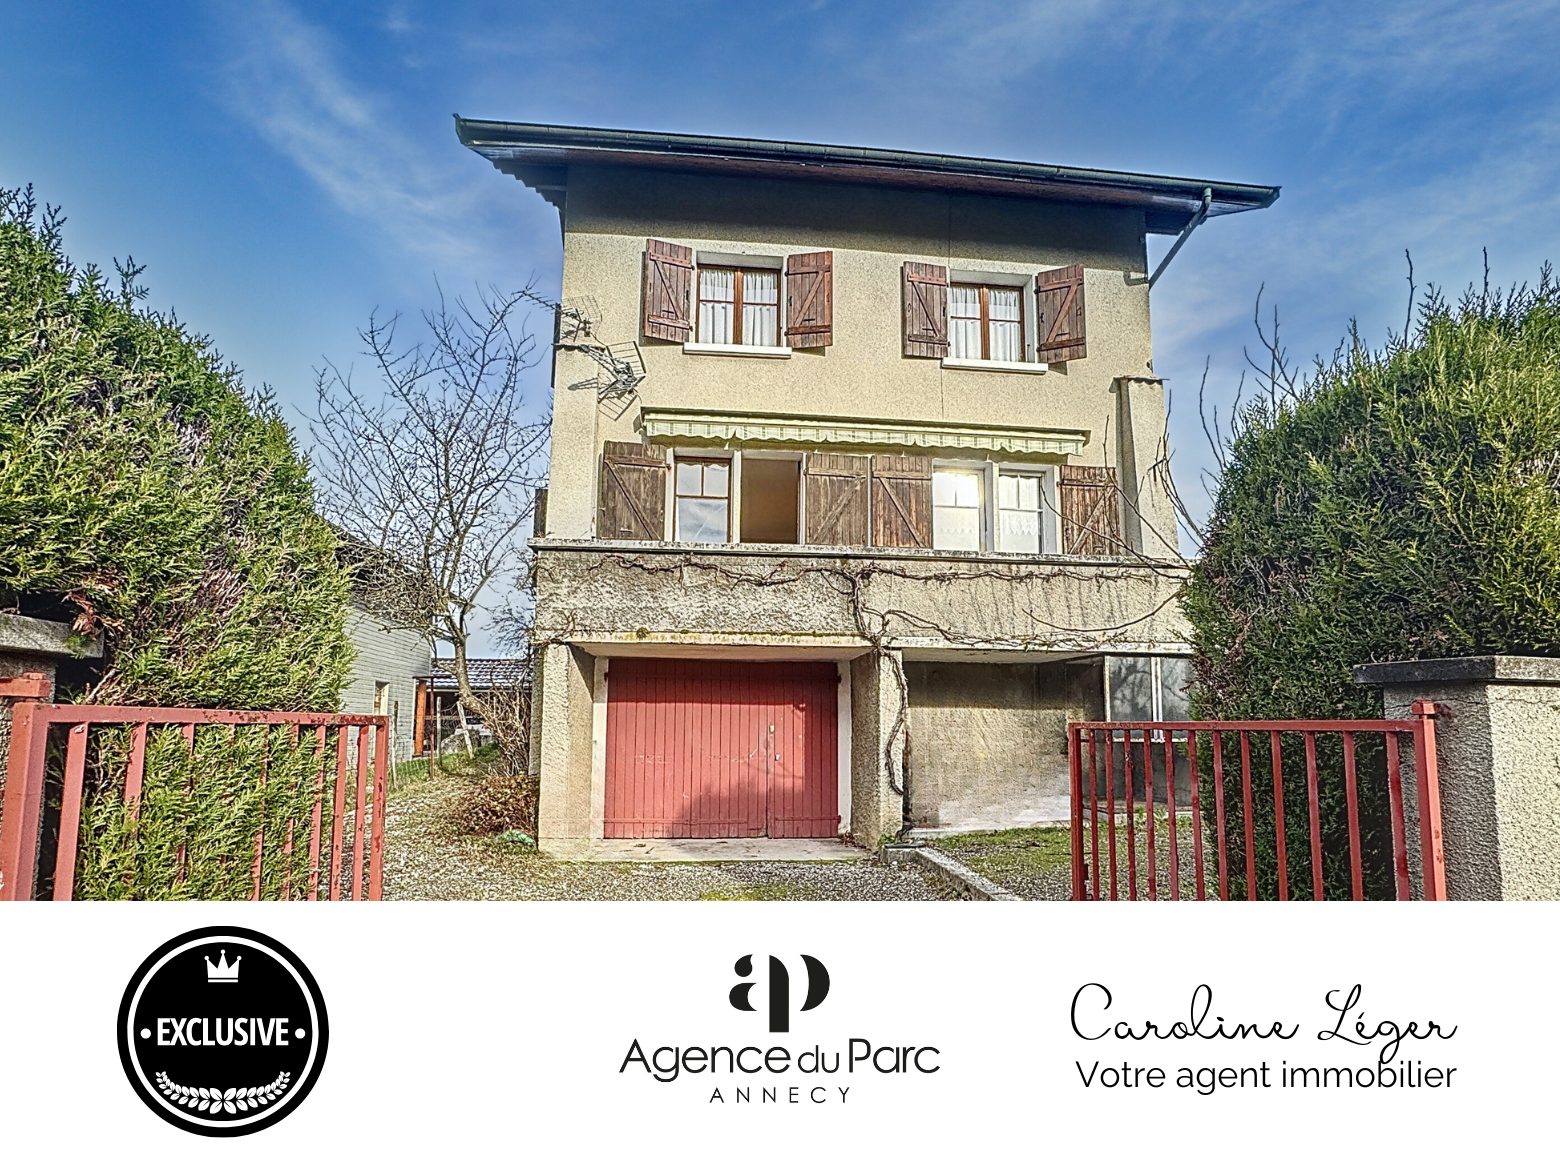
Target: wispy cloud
point(289, 81)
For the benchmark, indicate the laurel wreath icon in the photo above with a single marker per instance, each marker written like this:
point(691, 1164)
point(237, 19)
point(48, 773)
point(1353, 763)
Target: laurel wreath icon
point(222, 1100)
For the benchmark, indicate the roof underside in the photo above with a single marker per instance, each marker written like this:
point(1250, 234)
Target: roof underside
point(540, 156)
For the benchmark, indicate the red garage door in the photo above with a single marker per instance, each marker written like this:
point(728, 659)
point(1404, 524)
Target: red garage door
point(721, 749)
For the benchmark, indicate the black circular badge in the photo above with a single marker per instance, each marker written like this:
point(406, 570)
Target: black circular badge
point(222, 1031)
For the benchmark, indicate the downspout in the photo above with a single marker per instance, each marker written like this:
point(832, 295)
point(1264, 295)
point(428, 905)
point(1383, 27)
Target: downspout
point(1186, 232)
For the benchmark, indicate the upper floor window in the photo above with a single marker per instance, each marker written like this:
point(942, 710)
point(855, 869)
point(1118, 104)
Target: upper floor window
point(739, 306)
point(986, 322)
point(703, 494)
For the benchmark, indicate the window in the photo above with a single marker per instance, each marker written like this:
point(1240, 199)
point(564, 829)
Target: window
point(703, 513)
point(986, 322)
point(1020, 512)
point(771, 499)
point(1147, 689)
point(739, 306)
point(957, 507)
point(381, 698)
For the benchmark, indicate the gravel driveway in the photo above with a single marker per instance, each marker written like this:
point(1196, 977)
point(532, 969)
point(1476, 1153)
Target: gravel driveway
point(425, 859)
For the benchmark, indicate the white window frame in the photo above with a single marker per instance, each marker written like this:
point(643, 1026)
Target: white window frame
point(1050, 506)
point(1025, 283)
point(711, 259)
point(1156, 689)
point(987, 500)
point(729, 455)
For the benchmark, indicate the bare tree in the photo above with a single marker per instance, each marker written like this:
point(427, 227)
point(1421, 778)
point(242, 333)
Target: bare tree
point(435, 471)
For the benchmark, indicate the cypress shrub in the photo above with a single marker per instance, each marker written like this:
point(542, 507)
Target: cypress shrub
point(147, 497)
point(144, 495)
point(1404, 503)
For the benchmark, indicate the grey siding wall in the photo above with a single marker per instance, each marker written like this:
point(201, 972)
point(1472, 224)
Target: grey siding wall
point(385, 655)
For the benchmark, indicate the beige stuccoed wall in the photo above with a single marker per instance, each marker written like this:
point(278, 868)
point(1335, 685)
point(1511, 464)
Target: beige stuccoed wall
point(1498, 734)
point(609, 213)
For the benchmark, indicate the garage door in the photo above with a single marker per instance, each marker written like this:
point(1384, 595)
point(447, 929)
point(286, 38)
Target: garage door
point(721, 749)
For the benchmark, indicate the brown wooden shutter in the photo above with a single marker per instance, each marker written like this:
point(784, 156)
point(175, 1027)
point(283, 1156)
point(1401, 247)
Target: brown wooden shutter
point(1059, 313)
point(926, 310)
point(668, 292)
point(809, 300)
point(837, 498)
point(633, 492)
point(1091, 511)
point(901, 501)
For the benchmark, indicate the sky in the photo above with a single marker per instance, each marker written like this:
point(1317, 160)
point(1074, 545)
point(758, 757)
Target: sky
point(284, 169)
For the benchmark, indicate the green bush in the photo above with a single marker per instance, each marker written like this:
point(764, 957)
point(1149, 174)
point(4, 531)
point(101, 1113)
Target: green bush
point(145, 496)
point(1404, 504)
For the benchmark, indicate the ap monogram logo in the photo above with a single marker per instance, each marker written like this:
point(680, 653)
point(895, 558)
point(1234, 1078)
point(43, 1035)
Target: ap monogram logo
point(779, 989)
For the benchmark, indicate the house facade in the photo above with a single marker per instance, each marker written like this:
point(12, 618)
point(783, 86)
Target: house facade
point(387, 661)
point(856, 493)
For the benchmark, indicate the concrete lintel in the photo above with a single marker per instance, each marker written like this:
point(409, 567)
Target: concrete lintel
point(27, 636)
point(1486, 668)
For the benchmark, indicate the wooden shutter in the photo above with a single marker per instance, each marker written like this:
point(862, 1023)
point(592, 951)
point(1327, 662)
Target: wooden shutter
point(837, 498)
point(633, 492)
point(809, 300)
point(1091, 511)
point(901, 501)
point(668, 292)
point(926, 310)
point(1059, 313)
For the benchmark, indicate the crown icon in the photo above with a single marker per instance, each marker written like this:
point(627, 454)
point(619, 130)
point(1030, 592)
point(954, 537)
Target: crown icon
point(222, 971)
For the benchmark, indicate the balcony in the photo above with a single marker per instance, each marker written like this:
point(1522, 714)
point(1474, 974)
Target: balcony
point(607, 595)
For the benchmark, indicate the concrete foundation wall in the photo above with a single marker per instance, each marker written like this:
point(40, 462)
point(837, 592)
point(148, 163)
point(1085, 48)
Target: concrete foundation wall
point(990, 747)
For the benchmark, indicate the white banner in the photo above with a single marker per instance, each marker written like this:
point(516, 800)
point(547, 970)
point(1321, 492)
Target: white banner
point(598, 1034)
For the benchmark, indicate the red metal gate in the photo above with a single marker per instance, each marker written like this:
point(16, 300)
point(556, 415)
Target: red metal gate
point(699, 748)
point(344, 770)
point(1123, 848)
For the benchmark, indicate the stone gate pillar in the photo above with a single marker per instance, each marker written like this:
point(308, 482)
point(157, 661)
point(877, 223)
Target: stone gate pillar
point(1498, 734)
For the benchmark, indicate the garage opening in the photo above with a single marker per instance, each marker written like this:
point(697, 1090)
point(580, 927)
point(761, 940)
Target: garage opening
point(771, 495)
point(699, 748)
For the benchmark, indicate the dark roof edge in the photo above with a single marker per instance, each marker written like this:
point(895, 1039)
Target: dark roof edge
point(522, 142)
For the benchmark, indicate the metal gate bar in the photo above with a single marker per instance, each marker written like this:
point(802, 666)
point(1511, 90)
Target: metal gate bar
point(28, 776)
point(1097, 871)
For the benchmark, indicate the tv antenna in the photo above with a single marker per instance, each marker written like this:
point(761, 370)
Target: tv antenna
point(622, 366)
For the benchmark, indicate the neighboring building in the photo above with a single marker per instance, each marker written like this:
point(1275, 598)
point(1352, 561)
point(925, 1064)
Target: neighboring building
point(438, 696)
point(853, 499)
point(387, 663)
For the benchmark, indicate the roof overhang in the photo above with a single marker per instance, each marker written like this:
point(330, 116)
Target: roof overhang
point(701, 426)
point(540, 155)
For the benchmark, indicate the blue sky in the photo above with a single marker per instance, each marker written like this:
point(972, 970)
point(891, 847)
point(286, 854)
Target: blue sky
point(285, 168)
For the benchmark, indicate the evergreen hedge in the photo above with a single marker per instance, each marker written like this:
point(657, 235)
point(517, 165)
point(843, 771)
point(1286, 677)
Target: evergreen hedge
point(146, 496)
point(1404, 504)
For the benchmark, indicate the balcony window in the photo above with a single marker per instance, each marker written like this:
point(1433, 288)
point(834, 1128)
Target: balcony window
point(1020, 512)
point(739, 306)
point(703, 498)
point(957, 506)
point(986, 322)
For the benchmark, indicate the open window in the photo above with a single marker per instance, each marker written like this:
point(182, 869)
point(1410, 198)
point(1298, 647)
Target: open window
point(771, 494)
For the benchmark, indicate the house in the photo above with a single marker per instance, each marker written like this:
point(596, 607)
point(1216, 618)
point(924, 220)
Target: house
point(854, 498)
point(387, 660)
point(438, 713)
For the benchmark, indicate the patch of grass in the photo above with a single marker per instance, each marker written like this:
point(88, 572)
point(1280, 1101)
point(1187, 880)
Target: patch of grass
point(757, 892)
point(1012, 857)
